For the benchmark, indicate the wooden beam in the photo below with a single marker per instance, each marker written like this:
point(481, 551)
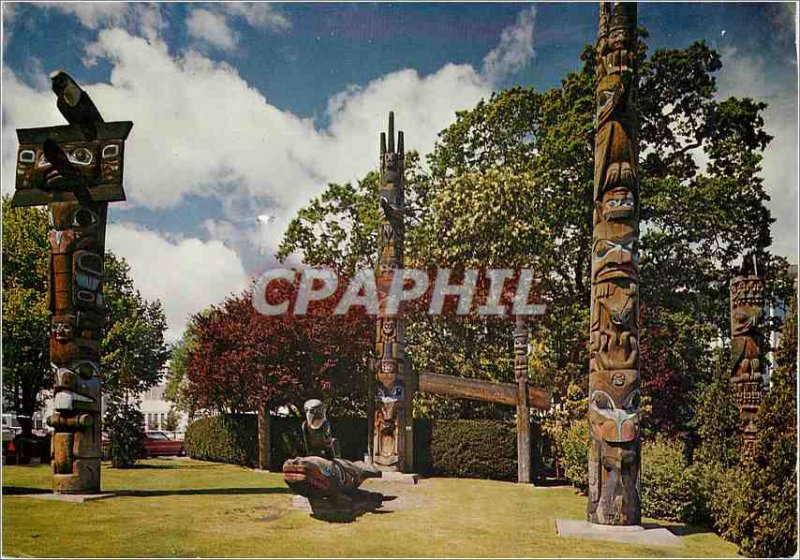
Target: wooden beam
point(479, 390)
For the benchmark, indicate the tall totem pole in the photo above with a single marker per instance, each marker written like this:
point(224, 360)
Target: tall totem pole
point(747, 348)
point(76, 170)
point(392, 442)
point(614, 451)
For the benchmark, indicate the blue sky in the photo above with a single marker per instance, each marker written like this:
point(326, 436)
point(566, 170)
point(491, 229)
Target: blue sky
point(248, 109)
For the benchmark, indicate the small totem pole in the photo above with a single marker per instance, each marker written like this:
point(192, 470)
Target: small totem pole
point(76, 170)
point(747, 348)
point(392, 446)
point(614, 451)
point(523, 401)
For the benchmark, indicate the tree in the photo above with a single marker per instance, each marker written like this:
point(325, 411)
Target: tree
point(177, 382)
point(172, 420)
point(134, 354)
point(26, 316)
point(240, 359)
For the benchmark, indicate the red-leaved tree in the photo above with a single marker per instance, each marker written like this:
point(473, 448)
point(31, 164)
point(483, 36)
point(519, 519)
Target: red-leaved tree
point(241, 359)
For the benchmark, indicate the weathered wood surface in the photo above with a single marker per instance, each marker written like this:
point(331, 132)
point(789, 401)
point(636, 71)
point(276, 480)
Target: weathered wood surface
point(479, 390)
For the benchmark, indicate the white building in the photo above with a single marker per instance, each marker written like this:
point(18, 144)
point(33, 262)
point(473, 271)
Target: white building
point(155, 408)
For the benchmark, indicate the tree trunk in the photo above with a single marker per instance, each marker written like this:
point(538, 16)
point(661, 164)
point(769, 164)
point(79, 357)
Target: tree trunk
point(263, 437)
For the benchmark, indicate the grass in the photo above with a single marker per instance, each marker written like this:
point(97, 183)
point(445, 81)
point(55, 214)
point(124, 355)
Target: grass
point(192, 508)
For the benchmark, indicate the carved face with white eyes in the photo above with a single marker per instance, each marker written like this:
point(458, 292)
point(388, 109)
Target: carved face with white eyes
point(617, 258)
point(389, 398)
point(617, 204)
point(611, 421)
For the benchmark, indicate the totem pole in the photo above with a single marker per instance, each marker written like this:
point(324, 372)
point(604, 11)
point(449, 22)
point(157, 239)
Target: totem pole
point(614, 451)
point(76, 170)
point(523, 401)
point(747, 348)
point(392, 445)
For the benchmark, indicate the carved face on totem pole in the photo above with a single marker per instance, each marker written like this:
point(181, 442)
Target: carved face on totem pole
point(52, 162)
point(390, 419)
point(614, 330)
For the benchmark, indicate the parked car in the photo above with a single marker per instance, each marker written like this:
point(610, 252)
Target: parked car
point(158, 444)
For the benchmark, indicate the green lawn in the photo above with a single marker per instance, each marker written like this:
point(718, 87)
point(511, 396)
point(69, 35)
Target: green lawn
point(194, 508)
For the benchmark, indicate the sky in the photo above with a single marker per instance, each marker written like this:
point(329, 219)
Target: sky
point(249, 109)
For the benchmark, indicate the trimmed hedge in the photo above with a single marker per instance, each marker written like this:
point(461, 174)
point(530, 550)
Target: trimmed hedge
point(233, 438)
point(461, 448)
point(466, 448)
point(229, 438)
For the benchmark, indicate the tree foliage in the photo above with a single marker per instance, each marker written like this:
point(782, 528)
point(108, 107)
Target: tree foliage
point(239, 358)
point(26, 317)
point(509, 184)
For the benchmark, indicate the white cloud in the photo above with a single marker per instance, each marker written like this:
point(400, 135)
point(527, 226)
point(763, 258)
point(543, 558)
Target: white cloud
point(211, 28)
point(747, 75)
point(187, 275)
point(260, 15)
point(141, 17)
point(515, 49)
point(213, 25)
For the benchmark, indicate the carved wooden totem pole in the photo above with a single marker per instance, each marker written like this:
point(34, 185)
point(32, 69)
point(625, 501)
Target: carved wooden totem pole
point(614, 457)
point(524, 474)
point(747, 348)
point(76, 170)
point(392, 446)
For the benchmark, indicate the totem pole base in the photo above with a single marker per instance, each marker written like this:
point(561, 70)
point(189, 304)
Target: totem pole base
point(397, 476)
point(72, 498)
point(629, 534)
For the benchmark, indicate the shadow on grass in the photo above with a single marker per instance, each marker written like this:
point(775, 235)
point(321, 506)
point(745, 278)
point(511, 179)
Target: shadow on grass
point(18, 490)
point(200, 492)
point(680, 530)
point(348, 508)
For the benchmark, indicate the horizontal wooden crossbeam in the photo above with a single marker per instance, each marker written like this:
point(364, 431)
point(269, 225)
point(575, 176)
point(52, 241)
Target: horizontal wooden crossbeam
point(479, 390)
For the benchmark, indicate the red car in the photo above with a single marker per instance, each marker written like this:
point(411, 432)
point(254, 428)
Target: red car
point(156, 444)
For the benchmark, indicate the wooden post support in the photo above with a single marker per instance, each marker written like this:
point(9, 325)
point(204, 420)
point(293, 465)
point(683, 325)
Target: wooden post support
point(264, 457)
point(523, 402)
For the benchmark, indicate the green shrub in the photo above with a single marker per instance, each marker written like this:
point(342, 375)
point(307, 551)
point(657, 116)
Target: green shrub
point(122, 424)
point(474, 449)
point(668, 486)
point(228, 438)
point(574, 446)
